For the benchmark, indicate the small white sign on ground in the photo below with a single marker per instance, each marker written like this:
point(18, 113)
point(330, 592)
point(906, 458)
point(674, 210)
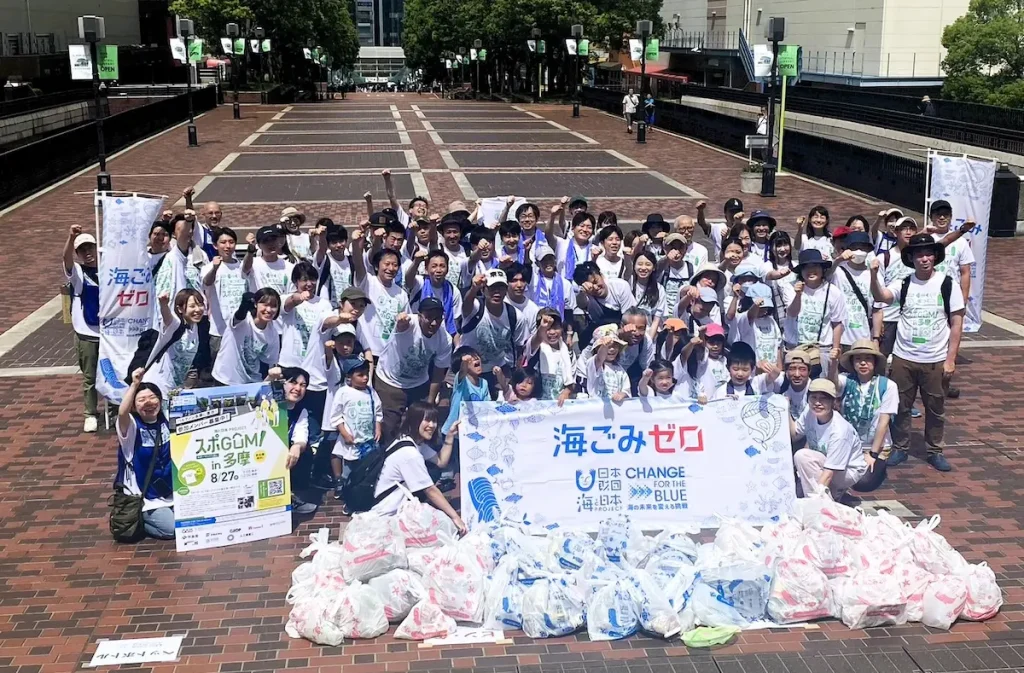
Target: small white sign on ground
point(468, 635)
point(136, 651)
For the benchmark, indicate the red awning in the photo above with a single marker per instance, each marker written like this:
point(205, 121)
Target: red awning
point(657, 71)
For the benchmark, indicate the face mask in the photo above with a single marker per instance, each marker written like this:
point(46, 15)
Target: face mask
point(859, 256)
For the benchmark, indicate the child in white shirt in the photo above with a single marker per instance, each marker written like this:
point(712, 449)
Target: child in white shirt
point(606, 378)
point(658, 381)
point(357, 415)
point(742, 382)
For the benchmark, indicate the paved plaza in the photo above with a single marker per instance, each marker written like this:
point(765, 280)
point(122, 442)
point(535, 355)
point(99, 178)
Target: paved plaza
point(64, 585)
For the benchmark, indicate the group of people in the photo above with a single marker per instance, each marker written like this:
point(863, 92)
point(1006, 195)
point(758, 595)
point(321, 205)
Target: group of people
point(380, 331)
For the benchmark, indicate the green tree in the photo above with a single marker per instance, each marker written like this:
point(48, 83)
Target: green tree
point(985, 59)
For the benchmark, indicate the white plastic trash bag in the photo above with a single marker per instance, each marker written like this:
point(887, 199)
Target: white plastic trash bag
point(455, 582)
point(984, 597)
point(503, 601)
point(913, 580)
point(359, 612)
point(674, 574)
point(676, 540)
point(552, 607)
point(420, 558)
point(710, 608)
point(309, 617)
point(823, 514)
point(619, 542)
point(656, 614)
point(932, 552)
point(420, 524)
point(399, 590)
point(740, 542)
point(611, 612)
point(944, 600)
point(568, 549)
point(867, 599)
point(799, 593)
point(372, 546)
point(827, 551)
point(326, 555)
point(781, 539)
point(425, 620)
point(736, 595)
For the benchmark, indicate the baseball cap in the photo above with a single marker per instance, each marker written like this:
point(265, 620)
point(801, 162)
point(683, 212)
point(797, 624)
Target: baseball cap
point(380, 218)
point(822, 386)
point(761, 215)
point(674, 238)
point(905, 222)
point(809, 355)
point(345, 328)
point(842, 231)
point(83, 239)
point(708, 296)
point(268, 232)
point(855, 238)
point(431, 304)
point(353, 293)
point(674, 324)
point(939, 205)
point(543, 250)
point(733, 205)
point(749, 268)
point(576, 200)
point(608, 332)
point(760, 291)
point(351, 364)
point(713, 329)
point(496, 277)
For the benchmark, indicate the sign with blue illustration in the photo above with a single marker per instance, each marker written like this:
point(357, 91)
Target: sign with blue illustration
point(661, 462)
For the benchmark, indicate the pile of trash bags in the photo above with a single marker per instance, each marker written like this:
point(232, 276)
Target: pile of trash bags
point(828, 561)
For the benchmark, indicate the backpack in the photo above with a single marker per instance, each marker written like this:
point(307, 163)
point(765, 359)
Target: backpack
point(513, 321)
point(144, 348)
point(856, 290)
point(947, 291)
point(358, 491)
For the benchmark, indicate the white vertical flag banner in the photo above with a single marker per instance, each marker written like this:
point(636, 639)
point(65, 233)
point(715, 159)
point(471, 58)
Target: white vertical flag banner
point(126, 286)
point(81, 61)
point(967, 185)
point(636, 50)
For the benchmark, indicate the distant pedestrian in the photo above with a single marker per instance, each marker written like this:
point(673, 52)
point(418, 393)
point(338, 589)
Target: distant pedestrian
point(630, 102)
point(927, 107)
point(649, 109)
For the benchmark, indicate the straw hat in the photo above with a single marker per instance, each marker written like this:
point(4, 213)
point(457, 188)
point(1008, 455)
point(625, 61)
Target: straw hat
point(863, 347)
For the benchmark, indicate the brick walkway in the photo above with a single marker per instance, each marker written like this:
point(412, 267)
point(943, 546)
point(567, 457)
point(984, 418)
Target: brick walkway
point(64, 585)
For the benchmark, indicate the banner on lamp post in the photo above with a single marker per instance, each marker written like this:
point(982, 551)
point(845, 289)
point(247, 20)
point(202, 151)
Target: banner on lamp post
point(653, 47)
point(225, 45)
point(306, 53)
point(195, 50)
point(570, 46)
point(542, 47)
point(107, 65)
point(240, 47)
point(967, 185)
point(636, 50)
point(178, 49)
point(81, 61)
point(265, 46)
point(531, 45)
point(481, 55)
point(584, 49)
point(254, 46)
point(472, 54)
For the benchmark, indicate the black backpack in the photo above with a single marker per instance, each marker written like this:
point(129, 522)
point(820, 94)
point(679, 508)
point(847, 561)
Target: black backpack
point(513, 321)
point(358, 491)
point(946, 290)
point(144, 348)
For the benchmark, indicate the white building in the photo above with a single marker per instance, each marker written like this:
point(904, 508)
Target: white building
point(377, 65)
point(899, 39)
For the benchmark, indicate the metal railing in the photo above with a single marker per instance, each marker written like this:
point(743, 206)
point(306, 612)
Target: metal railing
point(884, 176)
point(28, 104)
point(700, 40)
point(861, 64)
point(30, 167)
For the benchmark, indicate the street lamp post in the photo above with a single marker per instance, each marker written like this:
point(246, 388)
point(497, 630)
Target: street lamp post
point(462, 66)
point(775, 31)
point(311, 45)
point(643, 28)
point(92, 29)
point(477, 44)
point(232, 31)
point(577, 33)
point(536, 41)
point(186, 28)
point(260, 34)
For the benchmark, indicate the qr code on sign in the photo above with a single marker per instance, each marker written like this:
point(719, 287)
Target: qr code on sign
point(246, 502)
point(275, 487)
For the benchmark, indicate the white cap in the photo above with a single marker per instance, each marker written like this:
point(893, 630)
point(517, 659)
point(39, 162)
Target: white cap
point(496, 277)
point(345, 328)
point(82, 239)
point(542, 250)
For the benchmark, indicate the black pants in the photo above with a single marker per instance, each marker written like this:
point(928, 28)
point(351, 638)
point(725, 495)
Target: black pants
point(313, 403)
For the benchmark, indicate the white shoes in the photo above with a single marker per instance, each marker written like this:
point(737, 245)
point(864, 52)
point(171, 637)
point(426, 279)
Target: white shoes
point(91, 424)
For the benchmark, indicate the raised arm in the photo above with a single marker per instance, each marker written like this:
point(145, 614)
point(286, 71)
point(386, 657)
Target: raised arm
point(469, 299)
point(165, 309)
point(368, 197)
point(358, 254)
point(320, 254)
point(878, 291)
point(509, 200)
point(211, 275)
point(730, 314)
point(69, 248)
point(702, 221)
point(794, 306)
point(250, 254)
point(798, 244)
point(444, 456)
point(124, 410)
point(389, 187)
point(413, 270)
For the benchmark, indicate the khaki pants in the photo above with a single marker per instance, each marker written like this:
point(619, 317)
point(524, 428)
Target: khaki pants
point(809, 466)
point(910, 377)
point(88, 357)
point(394, 402)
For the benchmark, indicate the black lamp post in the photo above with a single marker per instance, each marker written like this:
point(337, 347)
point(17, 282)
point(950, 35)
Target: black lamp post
point(462, 66)
point(186, 28)
point(577, 33)
point(775, 31)
point(260, 34)
point(233, 32)
point(477, 44)
point(92, 29)
point(311, 45)
point(643, 28)
point(536, 41)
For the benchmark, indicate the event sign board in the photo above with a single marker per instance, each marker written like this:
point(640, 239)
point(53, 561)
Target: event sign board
point(108, 61)
point(81, 61)
point(229, 449)
point(660, 462)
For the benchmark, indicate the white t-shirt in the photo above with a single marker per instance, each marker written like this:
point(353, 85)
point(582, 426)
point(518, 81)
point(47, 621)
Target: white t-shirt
point(659, 308)
point(858, 321)
point(761, 334)
point(169, 372)
point(300, 245)
point(299, 326)
point(492, 337)
point(555, 368)
point(619, 298)
point(696, 254)
point(457, 262)
point(610, 269)
point(341, 279)
point(759, 385)
point(417, 288)
point(406, 360)
point(276, 275)
point(172, 276)
point(127, 443)
point(711, 373)
point(814, 323)
point(673, 280)
point(243, 347)
point(610, 380)
point(958, 255)
point(582, 252)
point(797, 398)
point(359, 411)
point(782, 291)
point(822, 244)
point(529, 310)
point(404, 466)
point(629, 103)
point(378, 320)
point(718, 232)
point(225, 295)
point(837, 439)
point(866, 403)
point(922, 333)
point(893, 273)
point(78, 280)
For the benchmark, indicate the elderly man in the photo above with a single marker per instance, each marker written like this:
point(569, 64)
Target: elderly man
point(695, 253)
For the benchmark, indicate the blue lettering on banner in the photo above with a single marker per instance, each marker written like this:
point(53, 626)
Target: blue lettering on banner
point(598, 439)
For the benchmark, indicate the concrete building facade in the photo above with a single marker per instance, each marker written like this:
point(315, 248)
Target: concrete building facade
point(48, 26)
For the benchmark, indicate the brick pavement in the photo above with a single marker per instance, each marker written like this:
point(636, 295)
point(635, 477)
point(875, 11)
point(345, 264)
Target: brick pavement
point(65, 585)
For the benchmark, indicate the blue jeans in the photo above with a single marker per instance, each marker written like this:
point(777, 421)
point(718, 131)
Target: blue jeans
point(159, 523)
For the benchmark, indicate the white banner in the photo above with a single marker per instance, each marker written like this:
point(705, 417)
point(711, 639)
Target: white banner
point(967, 185)
point(491, 207)
point(570, 45)
point(178, 49)
point(662, 463)
point(126, 286)
point(81, 61)
point(636, 50)
point(225, 45)
point(763, 58)
point(229, 446)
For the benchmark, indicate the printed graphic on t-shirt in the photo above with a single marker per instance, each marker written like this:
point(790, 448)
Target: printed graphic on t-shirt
point(251, 354)
point(766, 337)
point(182, 354)
point(387, 308)
point(413, 362)
point(924, 316)
point(492, 344)
point(810, 320)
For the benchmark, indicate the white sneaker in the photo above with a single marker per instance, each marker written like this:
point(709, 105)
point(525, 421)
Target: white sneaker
point(91, 424)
